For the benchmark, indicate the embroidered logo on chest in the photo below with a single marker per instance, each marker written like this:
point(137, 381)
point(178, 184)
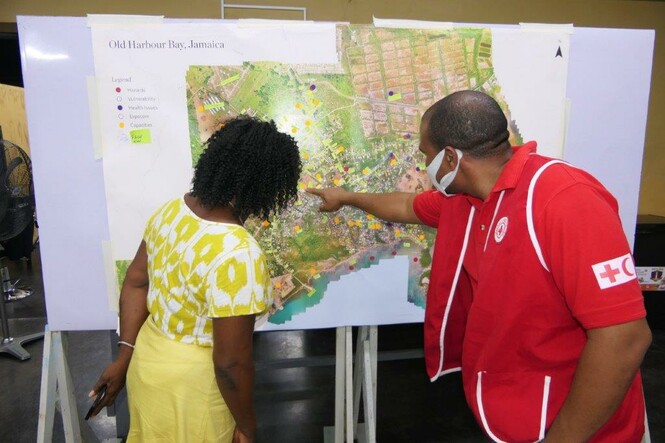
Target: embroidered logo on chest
point(501, 229)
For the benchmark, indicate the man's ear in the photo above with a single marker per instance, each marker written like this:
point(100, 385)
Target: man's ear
point(449, 154)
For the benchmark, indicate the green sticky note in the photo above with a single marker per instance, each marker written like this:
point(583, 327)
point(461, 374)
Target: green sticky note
point(214, 106)
point(226, 81)
point(407, 245)
point(140, 136)
point(312, 292)
point(392, 98)
point(317, 276)
point(353, 262)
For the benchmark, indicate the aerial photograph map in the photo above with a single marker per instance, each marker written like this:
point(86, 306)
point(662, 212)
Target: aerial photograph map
point(357, 126)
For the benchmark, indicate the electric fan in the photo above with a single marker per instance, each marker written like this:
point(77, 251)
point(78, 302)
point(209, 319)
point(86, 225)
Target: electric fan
point(17, 214)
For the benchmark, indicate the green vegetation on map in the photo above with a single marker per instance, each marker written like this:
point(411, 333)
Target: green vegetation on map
point(357, 126)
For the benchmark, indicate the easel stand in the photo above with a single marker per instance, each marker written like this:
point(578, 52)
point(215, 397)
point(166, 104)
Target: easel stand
point(57, 392)
point(349, 387)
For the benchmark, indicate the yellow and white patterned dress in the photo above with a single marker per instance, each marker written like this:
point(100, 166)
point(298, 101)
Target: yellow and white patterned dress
point(198, 270)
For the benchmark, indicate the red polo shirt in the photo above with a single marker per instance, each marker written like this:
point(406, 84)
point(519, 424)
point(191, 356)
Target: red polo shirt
point(543, 259)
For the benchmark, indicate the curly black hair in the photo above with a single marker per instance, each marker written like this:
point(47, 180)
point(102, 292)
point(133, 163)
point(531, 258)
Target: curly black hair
point(249, 165)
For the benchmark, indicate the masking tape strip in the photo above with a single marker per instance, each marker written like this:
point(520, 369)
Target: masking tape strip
point(566, 28)
point(95, 117)
point(118, 19)
point(564, 124)
point(410, 24)
point(112, 290)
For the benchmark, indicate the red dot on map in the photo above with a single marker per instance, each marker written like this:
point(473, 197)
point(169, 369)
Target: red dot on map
point(351, 268)
point(371, 257)
point(391, 93)
point(312, 87)
point(394, 253)
point(415, 259)
point(118, 89)
point(346, 169)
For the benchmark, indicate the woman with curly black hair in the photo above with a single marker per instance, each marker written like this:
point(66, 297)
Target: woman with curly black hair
point(190, 296)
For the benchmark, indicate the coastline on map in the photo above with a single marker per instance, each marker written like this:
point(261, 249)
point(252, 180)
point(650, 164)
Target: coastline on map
point(303, 300)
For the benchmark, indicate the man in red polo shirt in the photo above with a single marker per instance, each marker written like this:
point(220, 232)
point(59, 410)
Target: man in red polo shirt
point(533, 292)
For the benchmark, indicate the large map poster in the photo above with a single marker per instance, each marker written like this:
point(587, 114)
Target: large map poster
point(355, 112)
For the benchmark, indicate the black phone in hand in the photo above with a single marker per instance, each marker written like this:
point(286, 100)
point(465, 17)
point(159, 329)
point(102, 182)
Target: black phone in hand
point(100, 397)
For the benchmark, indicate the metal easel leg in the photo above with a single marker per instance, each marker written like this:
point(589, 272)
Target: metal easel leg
point(349, 383)
point(57, 388)
point(336, 433)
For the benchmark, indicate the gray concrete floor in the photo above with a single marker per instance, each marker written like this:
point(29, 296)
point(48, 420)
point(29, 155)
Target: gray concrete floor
point(293, 404)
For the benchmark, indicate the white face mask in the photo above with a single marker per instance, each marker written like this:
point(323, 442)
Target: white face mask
point(447, 179)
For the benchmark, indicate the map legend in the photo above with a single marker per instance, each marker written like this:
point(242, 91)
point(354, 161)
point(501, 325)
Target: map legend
point(139, 110)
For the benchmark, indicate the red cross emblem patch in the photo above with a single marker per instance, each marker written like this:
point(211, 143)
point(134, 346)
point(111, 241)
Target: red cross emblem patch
point(614, 272)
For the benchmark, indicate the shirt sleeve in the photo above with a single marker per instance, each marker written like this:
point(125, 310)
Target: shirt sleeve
point(239, 284)
point(149, 228)
point(589, 257)
point(427, 206)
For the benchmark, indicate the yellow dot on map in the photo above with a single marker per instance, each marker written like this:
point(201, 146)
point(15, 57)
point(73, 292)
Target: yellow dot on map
point(316, 102)
point(370, 217)
point(421, 237)
point(278, 285)
point(265, 223)
point(319, 177)
point(337, 220)
point(294, 130)
point(305, 155)
point(296, 228)
point(359, 223)
point(336, 181)
point(312, 271)
point(121, 125)
point(200, 109)
point(397, 232)
point(393, 162)
point(365, 171)
point(351, 223)
point(308, 122)
point(340, 149)
point(298, 106)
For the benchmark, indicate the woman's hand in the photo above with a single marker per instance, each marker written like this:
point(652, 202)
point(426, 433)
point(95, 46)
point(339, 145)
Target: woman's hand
point(114, 378)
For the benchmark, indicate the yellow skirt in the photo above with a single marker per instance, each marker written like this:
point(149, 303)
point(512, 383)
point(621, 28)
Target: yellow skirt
point(172, 392)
